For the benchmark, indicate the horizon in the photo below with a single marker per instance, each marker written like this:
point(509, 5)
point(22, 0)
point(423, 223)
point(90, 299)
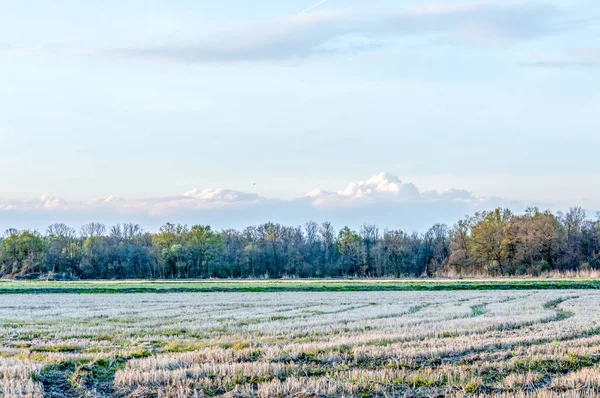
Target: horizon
point(106, 229)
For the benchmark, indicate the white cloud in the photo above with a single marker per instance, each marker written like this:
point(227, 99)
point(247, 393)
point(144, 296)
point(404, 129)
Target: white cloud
point(384, 188)
point(42, 202)
point(383, 199)
point(192, 200)
point(222, 196)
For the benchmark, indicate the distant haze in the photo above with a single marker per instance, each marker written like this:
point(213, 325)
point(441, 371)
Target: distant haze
point(382, 199)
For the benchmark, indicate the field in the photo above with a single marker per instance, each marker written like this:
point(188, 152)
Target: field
point(327, 344)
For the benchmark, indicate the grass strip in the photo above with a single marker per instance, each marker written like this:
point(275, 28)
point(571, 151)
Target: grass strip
point(99, 287)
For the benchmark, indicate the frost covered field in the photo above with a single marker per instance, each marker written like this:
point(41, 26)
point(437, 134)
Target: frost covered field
point(359, 344)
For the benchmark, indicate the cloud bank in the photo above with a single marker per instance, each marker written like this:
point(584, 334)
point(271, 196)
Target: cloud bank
point(383, 199)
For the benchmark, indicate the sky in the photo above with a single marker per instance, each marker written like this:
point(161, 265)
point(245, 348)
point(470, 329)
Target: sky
point(233, 113)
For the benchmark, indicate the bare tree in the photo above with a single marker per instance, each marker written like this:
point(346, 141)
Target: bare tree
point(61, 230)
point(370, 235)
point(92, 230)
point(327, 233)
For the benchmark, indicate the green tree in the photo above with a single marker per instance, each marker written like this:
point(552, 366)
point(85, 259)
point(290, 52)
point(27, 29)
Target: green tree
point(352, 252)
point(491, 244)
point(23, 253)
point(169, 257)
point(205, 248)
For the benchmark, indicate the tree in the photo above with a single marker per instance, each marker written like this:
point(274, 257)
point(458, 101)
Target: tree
point(94, 262)
point(572, 226)
point(23, 253)
point(327, 235)
point(437, 248)
point(536, 238)
point(461, 257)
point(205, 249)
point(491, 244)
point(93, 230)
point(63, 250)
point(169, 235)
point(370, 235)
point(393, 258)
point(352, 252)
point(314, 263)
point(234, 256)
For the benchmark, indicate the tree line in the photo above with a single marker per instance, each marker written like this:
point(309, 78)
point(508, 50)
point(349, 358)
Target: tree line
point(489, 243)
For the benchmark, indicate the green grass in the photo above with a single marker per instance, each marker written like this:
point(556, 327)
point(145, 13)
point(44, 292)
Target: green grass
point(107, 287)
point(479, 309)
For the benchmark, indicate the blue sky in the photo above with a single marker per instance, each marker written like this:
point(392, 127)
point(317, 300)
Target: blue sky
point(143, 100)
